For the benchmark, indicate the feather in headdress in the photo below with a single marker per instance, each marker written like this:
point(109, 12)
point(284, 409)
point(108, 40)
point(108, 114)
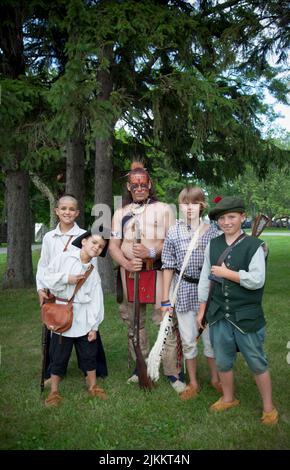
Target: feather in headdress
point(137, 164)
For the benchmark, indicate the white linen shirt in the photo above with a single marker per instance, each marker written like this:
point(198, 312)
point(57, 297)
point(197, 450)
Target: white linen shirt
point(88, 304)
point(53, 245)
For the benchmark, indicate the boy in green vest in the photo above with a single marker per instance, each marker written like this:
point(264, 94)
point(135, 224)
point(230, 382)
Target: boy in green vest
point(235, 315)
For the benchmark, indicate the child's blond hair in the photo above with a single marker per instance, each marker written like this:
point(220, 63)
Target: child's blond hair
point(193, 195)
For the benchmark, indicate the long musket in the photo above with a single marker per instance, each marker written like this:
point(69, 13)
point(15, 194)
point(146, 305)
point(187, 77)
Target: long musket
point(45, 342)
point(45, 334)
point(260, 222)
point(144, 381)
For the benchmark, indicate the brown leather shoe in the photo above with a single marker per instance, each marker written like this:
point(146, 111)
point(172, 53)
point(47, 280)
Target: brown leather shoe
point(270, 418)
point(53, 399)
point(96, 391)
point(189, 392)
point(220, 405)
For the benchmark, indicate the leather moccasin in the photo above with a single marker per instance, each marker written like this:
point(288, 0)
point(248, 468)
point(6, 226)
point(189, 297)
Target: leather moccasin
point(189, 392)
point(53, 399)
point(220, 405)
point(96, 391)
point(270, 418)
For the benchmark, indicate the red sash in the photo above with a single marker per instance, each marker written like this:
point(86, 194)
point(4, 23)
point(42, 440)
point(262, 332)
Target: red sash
point(147, 286)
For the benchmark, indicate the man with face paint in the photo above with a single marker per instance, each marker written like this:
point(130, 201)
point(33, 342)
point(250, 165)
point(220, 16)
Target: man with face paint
point(141, 209)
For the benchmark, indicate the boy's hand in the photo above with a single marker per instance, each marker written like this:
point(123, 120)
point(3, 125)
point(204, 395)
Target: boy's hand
point(74, 278)
point(200, 315)
point(42, 295)
point(220, 271)
point(92, 336)
point(226, 273)
point(199, 318)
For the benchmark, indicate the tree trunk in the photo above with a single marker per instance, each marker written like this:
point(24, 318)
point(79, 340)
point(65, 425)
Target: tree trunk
point(44, 189)
point(104, 171)
point(103, 195)
point(19, 259)
point(75, 172)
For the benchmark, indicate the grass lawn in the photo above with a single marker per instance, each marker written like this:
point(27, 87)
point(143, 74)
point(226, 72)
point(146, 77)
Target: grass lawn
point(130, 418)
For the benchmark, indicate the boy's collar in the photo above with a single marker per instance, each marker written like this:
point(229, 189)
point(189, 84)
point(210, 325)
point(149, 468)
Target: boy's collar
point(75, 230)
point(77, 255)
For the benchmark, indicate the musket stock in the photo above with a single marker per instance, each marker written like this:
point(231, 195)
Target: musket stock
point(144, 381)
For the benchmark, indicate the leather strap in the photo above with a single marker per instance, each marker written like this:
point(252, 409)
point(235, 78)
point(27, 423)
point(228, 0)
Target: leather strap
point(186, 278)
point(60, 299)
point(67, 243)
point(81, 282)
point(192, 245)
point(229, 249)
point(220, 261)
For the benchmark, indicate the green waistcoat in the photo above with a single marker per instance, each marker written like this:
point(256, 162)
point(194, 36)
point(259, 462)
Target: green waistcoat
point(241, 306)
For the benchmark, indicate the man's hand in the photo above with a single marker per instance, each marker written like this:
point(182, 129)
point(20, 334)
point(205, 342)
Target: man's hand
point(42, 295)
point(140, 251)
point(163, 311)
point(134, 265)
point(74, 278)
point(92, 336)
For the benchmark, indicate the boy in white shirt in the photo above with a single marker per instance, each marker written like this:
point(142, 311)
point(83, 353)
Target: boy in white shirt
point(61, 277)
point(58, 240)
point(54, 243)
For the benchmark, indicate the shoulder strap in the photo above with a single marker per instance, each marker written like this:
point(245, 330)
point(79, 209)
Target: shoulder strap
point(81, 282)
point(67, 243)
point(229, 249)
point(192, 245)
point(124, 221)
point(220, 261)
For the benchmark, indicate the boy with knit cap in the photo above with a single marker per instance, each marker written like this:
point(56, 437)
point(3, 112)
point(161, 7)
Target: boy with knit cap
point(235, 314)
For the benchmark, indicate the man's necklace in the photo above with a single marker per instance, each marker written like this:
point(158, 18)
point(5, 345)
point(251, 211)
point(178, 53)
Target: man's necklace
point(137, 208)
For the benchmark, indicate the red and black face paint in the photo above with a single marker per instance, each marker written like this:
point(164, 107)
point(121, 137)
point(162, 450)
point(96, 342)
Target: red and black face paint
point(138, 182)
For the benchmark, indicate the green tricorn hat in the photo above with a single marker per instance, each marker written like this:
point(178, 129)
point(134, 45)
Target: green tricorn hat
point(225, 205)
